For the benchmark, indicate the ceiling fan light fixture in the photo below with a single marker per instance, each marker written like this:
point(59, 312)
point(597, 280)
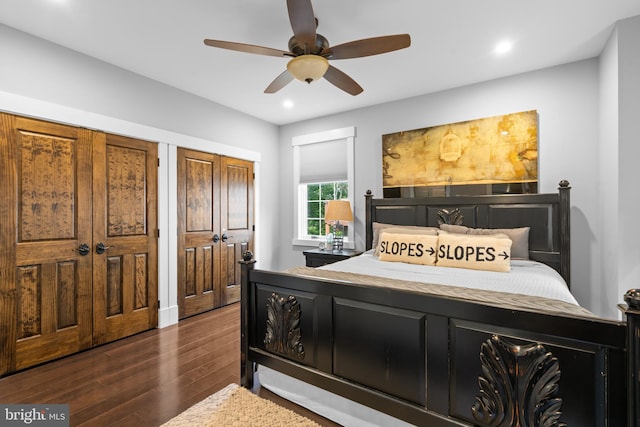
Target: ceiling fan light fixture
point(308, 68)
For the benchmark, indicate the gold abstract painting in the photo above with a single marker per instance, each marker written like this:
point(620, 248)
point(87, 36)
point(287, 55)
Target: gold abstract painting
point(492, 150)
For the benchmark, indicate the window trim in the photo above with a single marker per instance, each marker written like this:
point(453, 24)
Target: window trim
point(348, 134)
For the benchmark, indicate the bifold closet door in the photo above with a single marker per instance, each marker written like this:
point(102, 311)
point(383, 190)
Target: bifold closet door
point(125, 237)
point(237, 219)
point(198, 232)
point(45, 241)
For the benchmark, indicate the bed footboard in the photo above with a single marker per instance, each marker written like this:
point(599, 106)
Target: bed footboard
point(439, 361)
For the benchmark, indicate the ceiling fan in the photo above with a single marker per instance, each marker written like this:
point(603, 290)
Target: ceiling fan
point(310, 51)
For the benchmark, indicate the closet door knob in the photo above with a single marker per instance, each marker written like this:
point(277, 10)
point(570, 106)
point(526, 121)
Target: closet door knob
point(83, 249)
point(101, 248)
point(216, 238)
point(224, 237)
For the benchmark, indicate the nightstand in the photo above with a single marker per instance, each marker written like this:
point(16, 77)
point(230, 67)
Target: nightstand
point(319, 257)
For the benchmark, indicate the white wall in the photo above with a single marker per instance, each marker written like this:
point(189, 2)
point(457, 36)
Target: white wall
point(628, 255)
point(44, 80)
point(566, 98)
point(609, 177)
point(618, 153)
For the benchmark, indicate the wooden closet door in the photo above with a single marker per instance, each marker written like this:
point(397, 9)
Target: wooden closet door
point(125, 237)
point(236, 181)
point(198, 232)
point(45, 210)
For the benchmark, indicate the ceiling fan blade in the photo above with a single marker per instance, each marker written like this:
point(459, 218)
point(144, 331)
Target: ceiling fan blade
point(368, 47)
point(279, 82)
point(248, 48)
point(342, 81)
point(303, 23)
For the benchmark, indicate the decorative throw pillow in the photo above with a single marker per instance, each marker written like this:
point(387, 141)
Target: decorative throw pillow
point(418, 231)
point(519, 237)
point(378, 227)
point(476, 252)
point(409, 248)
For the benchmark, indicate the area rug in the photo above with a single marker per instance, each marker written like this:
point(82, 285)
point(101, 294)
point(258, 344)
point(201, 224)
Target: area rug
point(235, 406)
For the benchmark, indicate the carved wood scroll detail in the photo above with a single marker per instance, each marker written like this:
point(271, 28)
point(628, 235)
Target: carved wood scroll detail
point(283, 326)
point(452, 217)
point(519, 386)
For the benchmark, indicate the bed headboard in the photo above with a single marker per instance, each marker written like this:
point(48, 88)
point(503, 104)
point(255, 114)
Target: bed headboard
point(546, 214)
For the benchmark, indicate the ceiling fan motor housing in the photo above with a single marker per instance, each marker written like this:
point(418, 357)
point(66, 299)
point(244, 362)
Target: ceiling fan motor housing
point(321, 44)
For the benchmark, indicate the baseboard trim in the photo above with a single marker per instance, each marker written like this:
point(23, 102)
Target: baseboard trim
point(167, 316)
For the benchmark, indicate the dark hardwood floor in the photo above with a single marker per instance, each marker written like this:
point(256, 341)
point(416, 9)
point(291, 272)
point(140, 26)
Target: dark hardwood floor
point(143, 380)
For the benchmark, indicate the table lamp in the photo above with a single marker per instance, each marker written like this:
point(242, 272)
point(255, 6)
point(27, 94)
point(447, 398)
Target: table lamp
point(336, 211)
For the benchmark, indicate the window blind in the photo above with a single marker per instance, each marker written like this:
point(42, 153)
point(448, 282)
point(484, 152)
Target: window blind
point(323, 161)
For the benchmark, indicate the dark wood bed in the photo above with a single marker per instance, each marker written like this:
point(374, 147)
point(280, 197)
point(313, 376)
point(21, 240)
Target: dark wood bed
point(441, 361)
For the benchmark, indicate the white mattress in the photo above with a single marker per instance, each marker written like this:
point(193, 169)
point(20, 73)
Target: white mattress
point(525, 277)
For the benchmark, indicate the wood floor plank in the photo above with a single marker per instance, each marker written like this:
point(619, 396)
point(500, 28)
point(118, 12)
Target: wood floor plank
point(143, 380)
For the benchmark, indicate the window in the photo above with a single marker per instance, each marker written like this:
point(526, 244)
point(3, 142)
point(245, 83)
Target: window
point(316, 197)
point(323, 170)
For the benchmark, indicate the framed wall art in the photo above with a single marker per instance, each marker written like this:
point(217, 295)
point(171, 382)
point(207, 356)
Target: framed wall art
point(484, 156)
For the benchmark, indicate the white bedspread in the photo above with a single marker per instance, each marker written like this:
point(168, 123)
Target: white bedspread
point(525, 277)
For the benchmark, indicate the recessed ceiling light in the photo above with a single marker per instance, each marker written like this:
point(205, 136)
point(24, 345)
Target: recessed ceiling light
point(287, 103)
point(503, 47)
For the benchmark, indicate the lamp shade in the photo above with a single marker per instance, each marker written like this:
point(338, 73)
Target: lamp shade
point(338, 210)
point(308, 68)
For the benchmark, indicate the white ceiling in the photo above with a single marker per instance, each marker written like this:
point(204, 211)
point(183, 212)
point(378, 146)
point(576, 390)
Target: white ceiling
point(452, 43)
